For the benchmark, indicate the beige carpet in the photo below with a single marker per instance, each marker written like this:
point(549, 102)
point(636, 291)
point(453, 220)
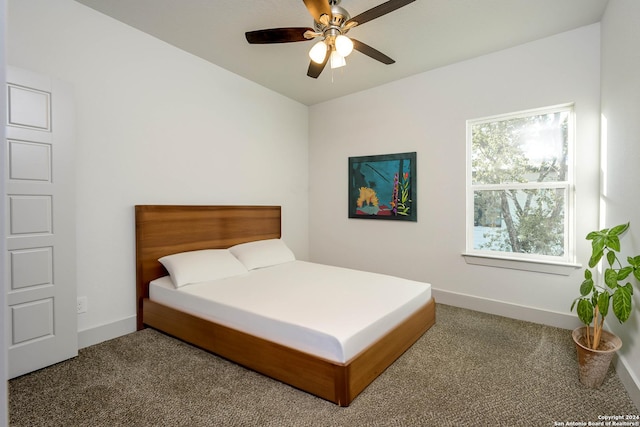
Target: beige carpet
point(470, 369)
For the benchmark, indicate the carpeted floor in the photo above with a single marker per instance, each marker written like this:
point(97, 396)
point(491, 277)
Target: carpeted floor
point(470, 369)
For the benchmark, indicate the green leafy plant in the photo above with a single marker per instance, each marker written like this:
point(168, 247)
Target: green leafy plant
point(592, 306)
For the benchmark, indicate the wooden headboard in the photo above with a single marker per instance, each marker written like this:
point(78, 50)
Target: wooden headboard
point(168, 229)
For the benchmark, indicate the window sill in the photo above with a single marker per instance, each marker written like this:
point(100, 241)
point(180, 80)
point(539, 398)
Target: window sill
point(563, 269)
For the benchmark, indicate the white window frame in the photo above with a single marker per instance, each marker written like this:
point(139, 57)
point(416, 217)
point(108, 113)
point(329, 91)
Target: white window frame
point(563, 265)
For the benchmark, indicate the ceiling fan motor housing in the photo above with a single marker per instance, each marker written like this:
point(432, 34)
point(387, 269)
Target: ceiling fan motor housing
point(338, 17)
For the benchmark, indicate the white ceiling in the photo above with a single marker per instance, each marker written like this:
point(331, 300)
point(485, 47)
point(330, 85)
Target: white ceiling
point(423, 35)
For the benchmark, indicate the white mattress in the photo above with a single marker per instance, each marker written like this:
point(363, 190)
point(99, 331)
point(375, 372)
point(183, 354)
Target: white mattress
point(331, 312)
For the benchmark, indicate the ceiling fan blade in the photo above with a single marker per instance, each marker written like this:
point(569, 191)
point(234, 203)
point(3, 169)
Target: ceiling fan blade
point(317, 8)
point(379, 10)
point(371, 52)
point(277, 35)
point(315, 69)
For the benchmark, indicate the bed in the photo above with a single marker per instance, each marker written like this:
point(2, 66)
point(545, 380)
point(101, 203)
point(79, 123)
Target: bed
point(163, 230)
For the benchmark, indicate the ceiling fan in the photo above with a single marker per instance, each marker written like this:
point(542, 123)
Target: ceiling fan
point(331, 24)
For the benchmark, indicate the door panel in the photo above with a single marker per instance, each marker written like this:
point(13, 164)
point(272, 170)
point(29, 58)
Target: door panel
point(31, 267)
point(29, 107)
point(32, 320)
point(40, 222)
point(29, 161)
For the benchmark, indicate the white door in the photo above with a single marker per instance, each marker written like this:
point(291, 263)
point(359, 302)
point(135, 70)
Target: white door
point(40, 222)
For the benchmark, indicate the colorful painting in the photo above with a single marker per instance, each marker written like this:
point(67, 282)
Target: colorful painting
point(383, 187)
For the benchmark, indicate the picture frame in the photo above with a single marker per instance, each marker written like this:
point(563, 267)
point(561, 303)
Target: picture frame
point(383, 187)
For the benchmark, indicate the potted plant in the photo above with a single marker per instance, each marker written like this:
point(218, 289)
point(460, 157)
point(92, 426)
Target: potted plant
point(596, 347)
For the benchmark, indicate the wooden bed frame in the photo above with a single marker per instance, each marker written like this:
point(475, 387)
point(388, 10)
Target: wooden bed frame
point(166, 229)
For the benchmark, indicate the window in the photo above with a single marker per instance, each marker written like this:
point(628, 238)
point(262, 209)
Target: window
point(520, 185)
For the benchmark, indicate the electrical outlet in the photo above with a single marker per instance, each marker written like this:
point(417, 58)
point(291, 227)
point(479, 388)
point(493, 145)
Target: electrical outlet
point(81, 306)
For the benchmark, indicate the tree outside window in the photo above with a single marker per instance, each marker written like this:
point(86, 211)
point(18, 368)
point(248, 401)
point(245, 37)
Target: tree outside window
point(520, 183)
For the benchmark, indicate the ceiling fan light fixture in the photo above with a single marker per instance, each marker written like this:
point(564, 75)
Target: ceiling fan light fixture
point(344, 45)
point(337, 60)
point(318, 52)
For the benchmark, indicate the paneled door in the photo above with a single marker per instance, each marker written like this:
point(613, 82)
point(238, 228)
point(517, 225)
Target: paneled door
point(40, 222)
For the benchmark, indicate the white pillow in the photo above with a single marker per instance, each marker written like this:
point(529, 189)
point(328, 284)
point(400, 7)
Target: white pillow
point(201, 266)
point(262, 253)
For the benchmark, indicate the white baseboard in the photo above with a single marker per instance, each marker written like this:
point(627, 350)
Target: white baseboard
point(535, 315)
point(629, 380)
point(98, 334)
point(501, 308)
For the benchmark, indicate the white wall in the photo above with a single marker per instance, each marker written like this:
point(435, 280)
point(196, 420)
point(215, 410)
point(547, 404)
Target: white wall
point(621, 109)
point(426, 113)
point(156, 125)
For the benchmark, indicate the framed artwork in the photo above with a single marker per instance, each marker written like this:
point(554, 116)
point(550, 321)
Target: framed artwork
point(383, 187)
